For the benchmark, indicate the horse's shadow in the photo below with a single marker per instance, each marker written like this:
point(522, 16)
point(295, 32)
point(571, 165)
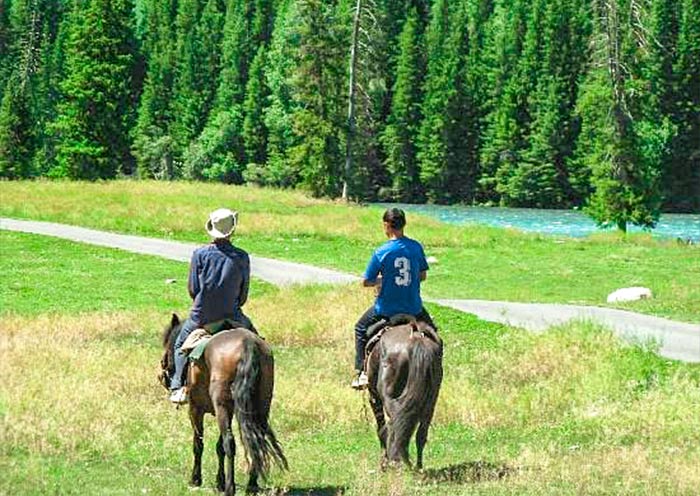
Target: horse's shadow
point(308, 491)
point(467, 472)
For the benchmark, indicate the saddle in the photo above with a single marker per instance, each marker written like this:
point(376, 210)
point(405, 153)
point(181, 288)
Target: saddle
point(196, 342)
point(376, 331)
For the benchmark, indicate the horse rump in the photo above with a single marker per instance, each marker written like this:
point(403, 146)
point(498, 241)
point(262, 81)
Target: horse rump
point(417, 401)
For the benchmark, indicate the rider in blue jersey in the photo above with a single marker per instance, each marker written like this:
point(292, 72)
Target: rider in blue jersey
point(396, 269)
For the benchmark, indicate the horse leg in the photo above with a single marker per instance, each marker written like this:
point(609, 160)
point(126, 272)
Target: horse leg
point(223, 417)
point(220, 474)
point(197, 421)
point(421, 439)
point(422, 432)
point(223, 410)
point(378, 409)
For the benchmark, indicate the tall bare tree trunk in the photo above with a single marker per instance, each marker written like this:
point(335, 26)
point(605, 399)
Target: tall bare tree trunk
point(351, 98)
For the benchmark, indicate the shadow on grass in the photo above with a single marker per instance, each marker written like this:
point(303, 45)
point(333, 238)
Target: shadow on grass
point(467, 472)
point(309, 491)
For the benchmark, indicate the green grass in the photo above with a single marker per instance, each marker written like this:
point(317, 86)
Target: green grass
point(473, 261)
point(569, 411)
point(85, 278)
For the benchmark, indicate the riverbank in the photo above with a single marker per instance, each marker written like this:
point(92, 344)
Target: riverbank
point(684, 228)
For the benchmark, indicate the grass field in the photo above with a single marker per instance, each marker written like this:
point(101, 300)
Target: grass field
point(473, 262)
point(570, 411)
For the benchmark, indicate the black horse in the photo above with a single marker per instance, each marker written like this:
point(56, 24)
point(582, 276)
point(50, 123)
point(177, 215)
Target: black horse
point(405, 372)
point(235, 377)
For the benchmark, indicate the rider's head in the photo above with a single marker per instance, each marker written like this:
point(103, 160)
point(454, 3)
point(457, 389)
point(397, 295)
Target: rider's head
point(394, 221)
point(222, 223)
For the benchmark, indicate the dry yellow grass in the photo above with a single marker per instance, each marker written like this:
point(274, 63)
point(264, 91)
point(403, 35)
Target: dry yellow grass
point(550, 412)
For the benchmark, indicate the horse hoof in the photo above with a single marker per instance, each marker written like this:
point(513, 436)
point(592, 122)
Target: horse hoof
point(196, 482)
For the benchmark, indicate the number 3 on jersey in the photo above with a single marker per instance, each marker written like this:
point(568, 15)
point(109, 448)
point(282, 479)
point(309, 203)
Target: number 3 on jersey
point(404, 266)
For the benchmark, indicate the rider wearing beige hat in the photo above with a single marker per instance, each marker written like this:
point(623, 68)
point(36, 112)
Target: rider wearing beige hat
point(218, 284)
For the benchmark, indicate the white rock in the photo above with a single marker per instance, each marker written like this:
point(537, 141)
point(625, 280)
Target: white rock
point(629, 294)
point(432, 260)
point(170, 281)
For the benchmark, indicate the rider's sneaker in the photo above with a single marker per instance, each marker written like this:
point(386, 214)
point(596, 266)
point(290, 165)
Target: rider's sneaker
point(360, 382)
point(179, 396)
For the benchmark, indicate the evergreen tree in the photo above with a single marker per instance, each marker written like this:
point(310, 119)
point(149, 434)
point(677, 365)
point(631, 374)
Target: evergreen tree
point(248, 24)
point(448, 142)
point(622, 150)
point(368, 174)
point(95, 96)
point(278, 114)
point(507, 119)
point(16, 131)
point(153, 143)
point(21, 58)
point(5, 40)
point(400, 135)
point(33, 56)
point(543, 178)
point(219, 153)
point(254, 130)
point(682, 172)
point(199, 33)
point(318, 83)
point(50, 73)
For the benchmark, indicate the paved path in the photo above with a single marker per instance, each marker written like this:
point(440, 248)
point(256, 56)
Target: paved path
point(678, 340)
point(270, 270)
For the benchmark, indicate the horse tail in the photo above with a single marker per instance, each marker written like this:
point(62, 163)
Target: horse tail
point(421, 390)
point(259, 440)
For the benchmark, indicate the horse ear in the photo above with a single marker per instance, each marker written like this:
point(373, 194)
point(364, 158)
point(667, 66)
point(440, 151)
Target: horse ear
point(175, 320)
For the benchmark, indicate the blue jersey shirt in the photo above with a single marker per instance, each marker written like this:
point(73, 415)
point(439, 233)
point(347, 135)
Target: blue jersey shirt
point(218, 282)
point(400, 262)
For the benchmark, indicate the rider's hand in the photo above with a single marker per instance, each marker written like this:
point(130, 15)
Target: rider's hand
point(378, 286)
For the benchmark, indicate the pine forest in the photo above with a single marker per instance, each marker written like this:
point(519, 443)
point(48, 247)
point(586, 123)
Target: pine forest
point(590, 104)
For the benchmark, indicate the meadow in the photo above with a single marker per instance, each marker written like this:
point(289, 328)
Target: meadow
point(569, 411)
point(473, 261)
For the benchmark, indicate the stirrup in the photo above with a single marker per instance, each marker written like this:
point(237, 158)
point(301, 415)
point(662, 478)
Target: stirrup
point(360, 382)
point(179, 396)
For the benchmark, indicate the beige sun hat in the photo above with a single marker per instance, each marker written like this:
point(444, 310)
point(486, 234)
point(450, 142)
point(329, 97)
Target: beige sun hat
point(222, 223)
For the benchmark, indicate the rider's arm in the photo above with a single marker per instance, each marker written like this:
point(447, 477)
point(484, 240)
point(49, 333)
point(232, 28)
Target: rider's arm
point(372, 275)
point(193, 277)
point(245, 283)
point(422, 265)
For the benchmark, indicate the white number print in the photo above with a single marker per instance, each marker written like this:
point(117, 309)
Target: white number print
point(404, 266)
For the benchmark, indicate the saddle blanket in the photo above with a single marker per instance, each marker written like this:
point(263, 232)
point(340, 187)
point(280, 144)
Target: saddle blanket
point(196, 343)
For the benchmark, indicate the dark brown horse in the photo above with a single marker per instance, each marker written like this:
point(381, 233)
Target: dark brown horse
point(235, 377)
point(405, 372)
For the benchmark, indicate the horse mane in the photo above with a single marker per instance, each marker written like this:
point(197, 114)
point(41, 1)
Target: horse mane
point(168, 332)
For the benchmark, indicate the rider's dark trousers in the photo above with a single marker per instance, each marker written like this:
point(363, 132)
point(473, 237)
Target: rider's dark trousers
point(372, 317)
